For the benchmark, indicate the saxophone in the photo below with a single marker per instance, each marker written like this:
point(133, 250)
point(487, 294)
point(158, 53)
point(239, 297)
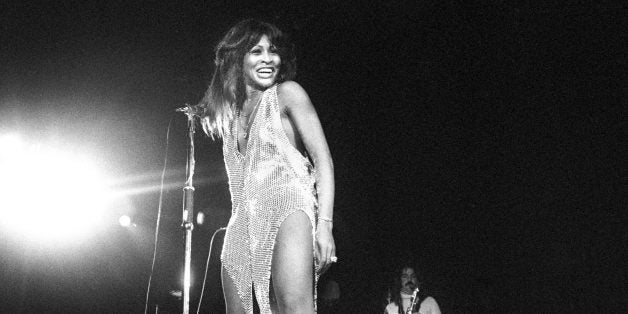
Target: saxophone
point(413, 301)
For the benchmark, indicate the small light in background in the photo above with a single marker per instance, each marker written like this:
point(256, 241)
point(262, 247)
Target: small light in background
point(200, 218)
point(125, 221)
point(176, 293)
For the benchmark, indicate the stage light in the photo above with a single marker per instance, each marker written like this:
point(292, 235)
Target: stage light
point(9, 143)
point(200, 218)
point(48, 195)
point(125, 221)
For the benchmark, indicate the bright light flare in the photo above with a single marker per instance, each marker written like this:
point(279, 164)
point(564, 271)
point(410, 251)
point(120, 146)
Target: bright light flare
point(124, 221)
point(200, 218)
point(48, 195)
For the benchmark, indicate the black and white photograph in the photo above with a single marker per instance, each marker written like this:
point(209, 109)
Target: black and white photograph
point(321, 156)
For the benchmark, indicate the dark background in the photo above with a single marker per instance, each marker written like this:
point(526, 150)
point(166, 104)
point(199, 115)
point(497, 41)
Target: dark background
point(481, 141)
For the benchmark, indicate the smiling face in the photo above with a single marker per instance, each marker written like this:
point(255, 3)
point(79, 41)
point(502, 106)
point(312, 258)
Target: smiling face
point(261, 65)
point(408, 280)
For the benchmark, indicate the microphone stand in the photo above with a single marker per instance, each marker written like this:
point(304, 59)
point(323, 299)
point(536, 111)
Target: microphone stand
point(188, 208)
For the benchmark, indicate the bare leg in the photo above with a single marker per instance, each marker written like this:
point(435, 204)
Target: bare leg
point(233, 303)
point(292, 266)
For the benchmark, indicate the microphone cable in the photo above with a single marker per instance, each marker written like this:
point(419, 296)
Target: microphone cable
point(159, 208)
point(209, 254)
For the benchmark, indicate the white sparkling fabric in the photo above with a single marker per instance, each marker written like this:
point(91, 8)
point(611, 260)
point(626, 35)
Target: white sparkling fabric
point(270, 181)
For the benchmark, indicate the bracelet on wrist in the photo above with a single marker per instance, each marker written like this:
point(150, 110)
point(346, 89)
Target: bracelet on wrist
point(325, 219)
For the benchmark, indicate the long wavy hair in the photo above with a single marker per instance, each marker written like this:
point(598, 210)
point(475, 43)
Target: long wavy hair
point(227, 90)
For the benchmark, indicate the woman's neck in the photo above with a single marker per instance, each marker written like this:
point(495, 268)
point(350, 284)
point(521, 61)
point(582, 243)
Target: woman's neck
point(252, 91)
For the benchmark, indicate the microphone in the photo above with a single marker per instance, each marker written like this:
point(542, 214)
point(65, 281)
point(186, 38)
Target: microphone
point(191, 110)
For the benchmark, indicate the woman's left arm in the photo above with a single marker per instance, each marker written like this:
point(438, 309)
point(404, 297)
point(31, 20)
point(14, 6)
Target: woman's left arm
point(303, 115)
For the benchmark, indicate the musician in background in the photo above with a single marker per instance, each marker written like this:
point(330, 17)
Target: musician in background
point(404, 285)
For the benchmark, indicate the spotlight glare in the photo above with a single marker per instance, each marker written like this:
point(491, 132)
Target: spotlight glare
point(125, 221)
point(49, 195)
point(200, 218)
point(10, 144)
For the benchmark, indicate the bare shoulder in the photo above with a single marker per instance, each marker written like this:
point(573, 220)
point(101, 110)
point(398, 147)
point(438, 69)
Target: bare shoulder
point(291, 94)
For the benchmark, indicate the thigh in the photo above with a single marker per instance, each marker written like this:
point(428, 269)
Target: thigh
point(232, 299)
point(292, 265)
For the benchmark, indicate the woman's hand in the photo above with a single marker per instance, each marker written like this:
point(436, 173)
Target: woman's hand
point(325, 246)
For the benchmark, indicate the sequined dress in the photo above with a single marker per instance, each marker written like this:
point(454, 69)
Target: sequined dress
point(270, 181)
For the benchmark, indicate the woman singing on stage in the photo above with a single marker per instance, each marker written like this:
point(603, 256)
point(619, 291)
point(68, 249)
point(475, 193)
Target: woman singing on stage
point(279, 238)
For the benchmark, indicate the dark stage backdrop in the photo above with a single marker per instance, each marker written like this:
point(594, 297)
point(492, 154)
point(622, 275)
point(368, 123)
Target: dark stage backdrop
point(481, 141)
